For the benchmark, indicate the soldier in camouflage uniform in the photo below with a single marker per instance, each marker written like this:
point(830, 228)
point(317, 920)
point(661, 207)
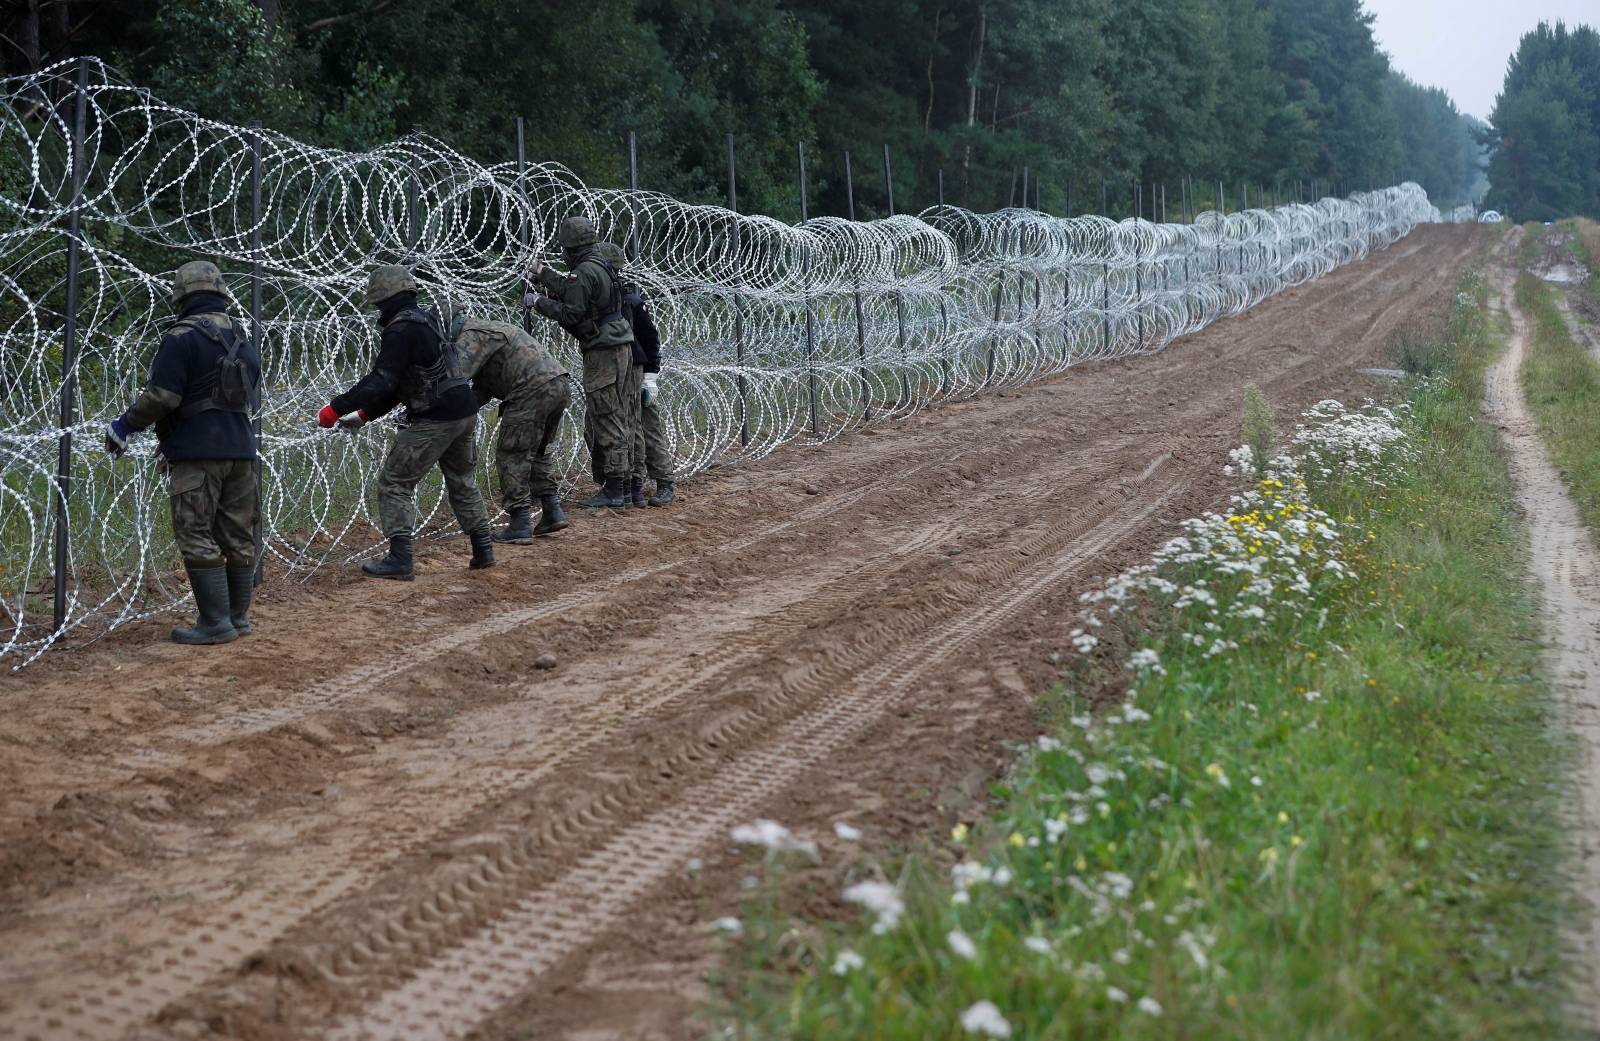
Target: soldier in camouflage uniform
point(203, 388)
point(587, 302)
point(652, 457)
point(417, 367)
point(505, 362)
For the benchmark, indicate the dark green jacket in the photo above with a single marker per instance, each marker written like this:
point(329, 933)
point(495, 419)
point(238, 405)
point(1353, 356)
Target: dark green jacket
point(579, 301)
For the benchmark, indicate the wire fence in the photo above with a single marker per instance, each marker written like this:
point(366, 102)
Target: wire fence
point(772, 333)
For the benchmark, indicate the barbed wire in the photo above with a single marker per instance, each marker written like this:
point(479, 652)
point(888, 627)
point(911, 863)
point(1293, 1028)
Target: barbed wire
point(772, 333)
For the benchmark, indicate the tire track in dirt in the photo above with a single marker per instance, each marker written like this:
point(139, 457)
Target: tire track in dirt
point(1566, 568)
point(469, 979)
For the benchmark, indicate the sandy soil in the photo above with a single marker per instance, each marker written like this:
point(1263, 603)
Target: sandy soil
point(1566, 568)
point(380, 818)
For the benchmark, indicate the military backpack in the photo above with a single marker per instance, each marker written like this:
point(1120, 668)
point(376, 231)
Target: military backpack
point(229, 386)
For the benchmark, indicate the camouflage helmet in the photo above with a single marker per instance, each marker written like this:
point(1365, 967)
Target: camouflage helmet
point(612, 254)
point(388, 280)
point(577, 231)
point(197, 276)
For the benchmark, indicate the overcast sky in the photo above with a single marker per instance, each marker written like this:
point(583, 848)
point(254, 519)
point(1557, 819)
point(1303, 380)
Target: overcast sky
point(1462, 45)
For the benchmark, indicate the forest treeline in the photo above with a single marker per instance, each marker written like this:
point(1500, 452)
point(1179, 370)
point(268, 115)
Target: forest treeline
point(1263, 96)
point(1545, 136)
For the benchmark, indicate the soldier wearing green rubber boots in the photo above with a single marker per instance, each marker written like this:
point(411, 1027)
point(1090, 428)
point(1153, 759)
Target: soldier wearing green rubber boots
point(204, 387)
point(587, 302)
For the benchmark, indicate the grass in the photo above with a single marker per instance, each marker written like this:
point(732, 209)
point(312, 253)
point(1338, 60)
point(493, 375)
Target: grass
point(1346, 827)
point(1562, 385)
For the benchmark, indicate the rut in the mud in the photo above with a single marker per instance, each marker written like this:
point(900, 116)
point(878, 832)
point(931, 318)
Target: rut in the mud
point(381, 818)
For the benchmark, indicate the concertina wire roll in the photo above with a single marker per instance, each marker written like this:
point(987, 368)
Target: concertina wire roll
point(772, 333)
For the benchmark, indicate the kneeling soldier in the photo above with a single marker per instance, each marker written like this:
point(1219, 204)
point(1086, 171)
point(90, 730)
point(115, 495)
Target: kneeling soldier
point(203, 389)
point(507, 363)
point(418, 367)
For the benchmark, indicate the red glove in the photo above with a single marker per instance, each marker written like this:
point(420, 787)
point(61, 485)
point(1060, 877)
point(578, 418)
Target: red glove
point(327, 417)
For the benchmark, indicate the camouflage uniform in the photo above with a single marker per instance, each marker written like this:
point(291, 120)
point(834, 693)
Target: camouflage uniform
point(451, 445)
point(214, 511)
point(203, 388)
point(532, 386)
point(586, 302)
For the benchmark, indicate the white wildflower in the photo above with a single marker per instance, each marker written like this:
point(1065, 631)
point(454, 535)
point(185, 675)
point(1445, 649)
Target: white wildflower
point(985, 1020)
point(728, 925)
point(1038, 945)
point(774, 837)
point(845, 832)
point(1117, 994)
point(1149, 1006)
point(882, 899)
point(962, 944)
point(846, 962)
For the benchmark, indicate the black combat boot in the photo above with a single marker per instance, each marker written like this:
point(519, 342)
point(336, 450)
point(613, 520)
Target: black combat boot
point(613, 495)
point(397, 565)
point(636, 492)
point(520, 529)
point(551, 517)
point(210, 587)
point(663, 495)
point(241, 587)
point(482, 550)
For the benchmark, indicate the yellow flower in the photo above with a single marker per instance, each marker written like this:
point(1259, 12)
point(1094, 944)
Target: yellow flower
point(959, 833)
point(1017, 840)
point(1294, 840)
point(1270, 855)
point(1283, 818)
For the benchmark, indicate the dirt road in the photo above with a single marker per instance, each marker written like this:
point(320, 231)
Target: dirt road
point(1566, 570)
point(380, 817)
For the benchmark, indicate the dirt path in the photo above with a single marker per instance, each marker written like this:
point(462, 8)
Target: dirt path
point(1566, 567)
point(380, 818)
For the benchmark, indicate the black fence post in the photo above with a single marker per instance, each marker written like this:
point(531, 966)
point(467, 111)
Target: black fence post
point(633, 201)
point(256, 333)
point(899, 301)
point(738, 308)
point(413, 190)
point(855, 294)
point(522, 191)
point(1024, 186)
point(811, 320)
point(69, 349)
point(1104, 209)
point(941, 186)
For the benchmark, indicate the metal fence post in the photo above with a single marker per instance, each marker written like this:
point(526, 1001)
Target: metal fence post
point(855, 294)
point(526, 243)
point(413, 190)
point(899, 301)
point(255, 327)
point(69, 348)
point(633, 201)
point(1024, 186)
point(811, 321)
point(941, 186)
point(738, 308)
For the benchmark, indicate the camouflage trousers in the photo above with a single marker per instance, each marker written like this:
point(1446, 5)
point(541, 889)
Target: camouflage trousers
point(652, 456)
point(524, 448)
point(611, 393)
point(214, 511)
point(417, 448)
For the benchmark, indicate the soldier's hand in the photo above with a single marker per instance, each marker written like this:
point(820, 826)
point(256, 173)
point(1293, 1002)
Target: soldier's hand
point(529, 299)
point(353, 422)
point(537, 268)
point(652, 387)
point(327, 417)
point(117, 437)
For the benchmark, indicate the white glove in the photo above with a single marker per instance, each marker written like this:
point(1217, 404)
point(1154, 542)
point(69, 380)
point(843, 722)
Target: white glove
point(652, 387)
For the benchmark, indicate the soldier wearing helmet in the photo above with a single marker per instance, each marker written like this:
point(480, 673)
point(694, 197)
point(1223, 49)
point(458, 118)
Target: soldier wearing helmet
point(652, 456)
point(416, 367)
point(202, 394)
point(587, 302)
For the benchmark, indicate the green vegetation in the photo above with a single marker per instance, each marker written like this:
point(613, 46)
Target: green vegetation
point(1545, 129)
point(1276, 95)
point(1562, 385)
point(1336, 819)
point(1259, 435)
